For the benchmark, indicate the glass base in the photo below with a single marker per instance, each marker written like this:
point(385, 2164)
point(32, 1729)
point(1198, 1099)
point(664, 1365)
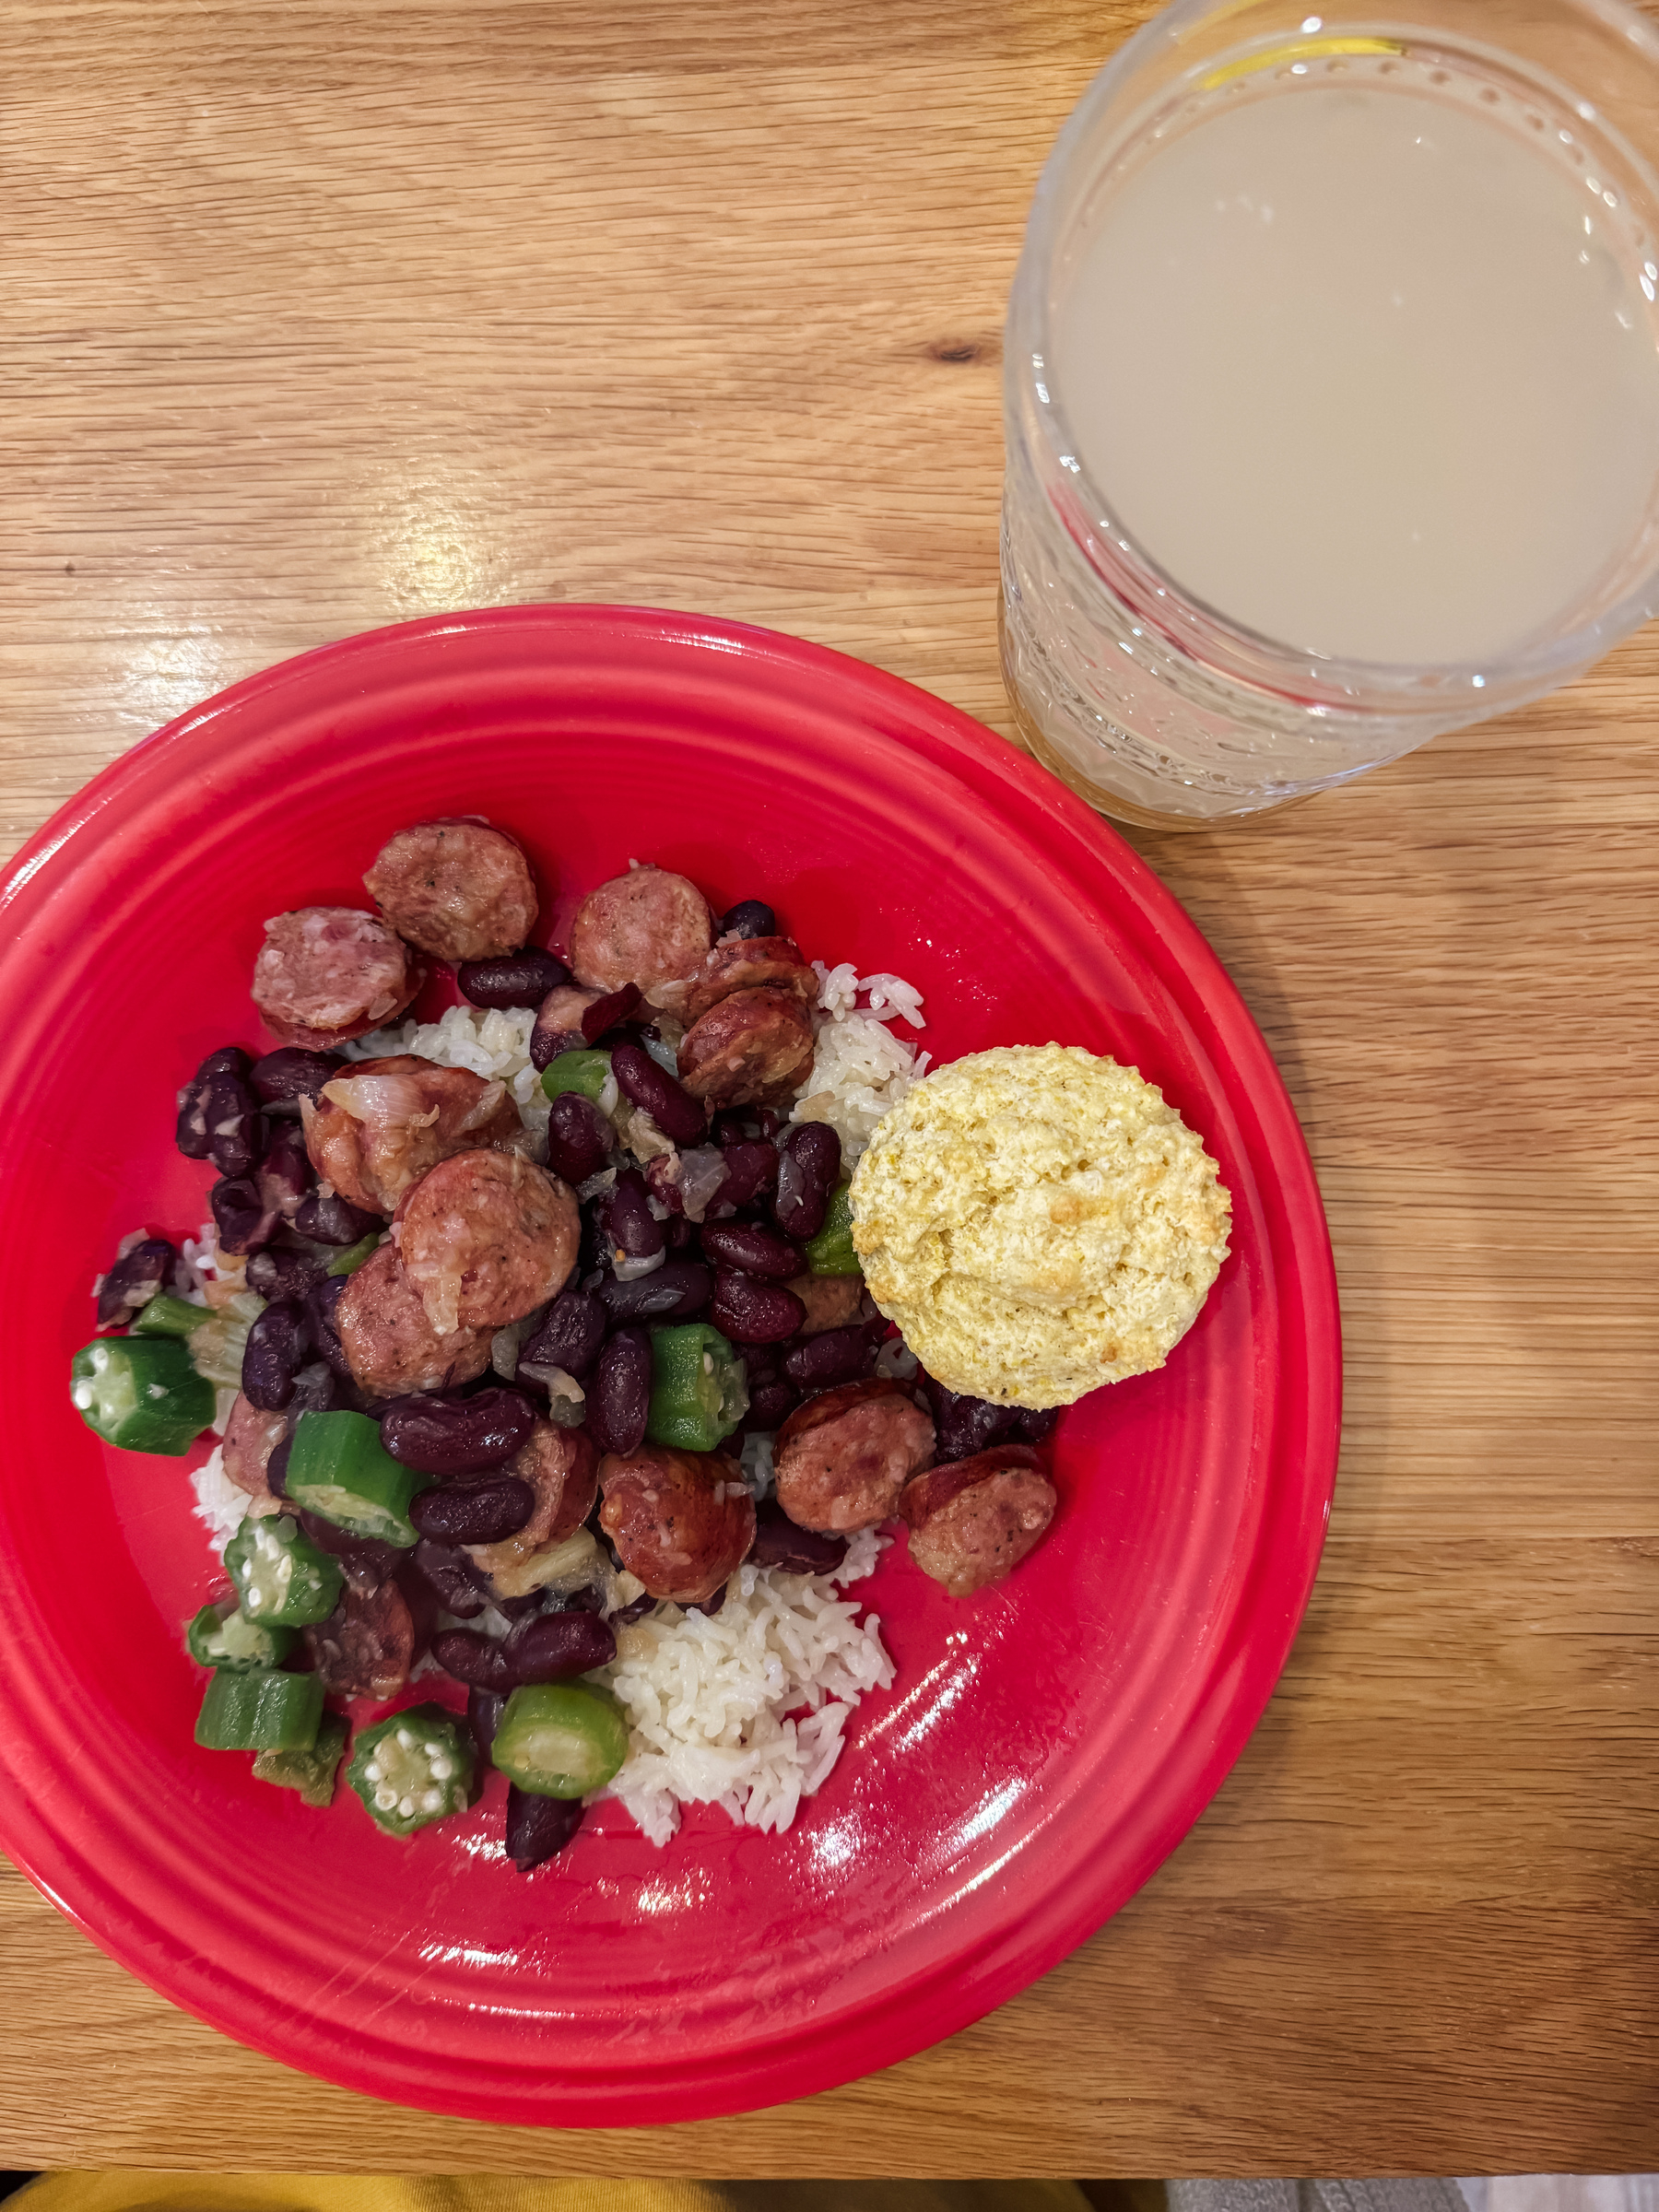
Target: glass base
point(1101, 796)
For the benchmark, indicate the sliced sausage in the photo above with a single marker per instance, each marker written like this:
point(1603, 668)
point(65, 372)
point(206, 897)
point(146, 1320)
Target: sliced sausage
point(366, 1646)
point(562, 1467)
point(558, 1022)
point(486, 1237)
point(389, 1345)
point(251, 1436)
point(750, 964)
point(325, 973)
point(831, 1301)
point(458, 890)
point(972, 1522)
point(380, 1125)
point(683, 1522)
point(844, 1456)
point(752, 1049)
point(647, 927)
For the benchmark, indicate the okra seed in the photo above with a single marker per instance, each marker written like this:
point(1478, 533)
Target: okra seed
point(252, 1599)
point(441, 1769)
point(385, 1798)
point(407, 1738)
point(432, 1802)
point(406, 1805)
point(82, 1395)
point(372, 1771)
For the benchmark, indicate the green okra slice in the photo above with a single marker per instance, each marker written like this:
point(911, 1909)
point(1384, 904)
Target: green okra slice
point(262, 1711)
point(412, 1769)
point(310, 1772)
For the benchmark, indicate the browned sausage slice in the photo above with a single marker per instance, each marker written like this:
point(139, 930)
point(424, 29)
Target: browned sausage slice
point(750, 964)
point(831, 1301)
point(366, 1646)
point(456, 888)
point(251, 1436)
point(325, 973)
point(972, 1522)
point(844, 1456)
point(390, 1345)
point(682, 1520)
point(647, 927)
point(562, 1466)
point(383, 1122)
point(486, 1237)
point(752, 1049)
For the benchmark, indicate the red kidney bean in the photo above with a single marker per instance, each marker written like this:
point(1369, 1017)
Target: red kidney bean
point(515, 979)
point(472, 1658)
point(756, 1250)
point(236, 1129)
point(515, 1608)
point(1036, 1424)
point(964, 1426)
point(285, 1175)
point(749, 918)
point(675, 1113)
point(554, 1646)
point(194, 1134)
point(770, 1405)
point(629, 1614)
point(243, 1221)
point(366, 1555)
point(753, 1311)
point(832, 1357)
point(319, 1304)
point(327, 1218)
point(809, 1164)
point(483, 1512)
point(680, 1234)
point(779, 1542)
point(484, 1709)
point(605, 1013)
point(578, 1137)
point(275, 1468)
point(710, 1606)
point(452, 1578)
point(283, 1077)
point(279, 1272)
point(751, 1173)
point(451, 1435)
point(132, 1281)
point(732, 1125)
point(278, 1345)
point(571, 1336)
point(678, 1290)
point(539, 1828)
point(628, 1220)
point(619, 1395)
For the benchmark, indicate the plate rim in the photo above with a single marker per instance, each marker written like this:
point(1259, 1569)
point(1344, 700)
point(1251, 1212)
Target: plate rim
point(794, 2067)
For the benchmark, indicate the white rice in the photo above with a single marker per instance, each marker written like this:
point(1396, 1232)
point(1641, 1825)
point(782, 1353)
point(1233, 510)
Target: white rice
point(218, 1503)
point(491, 1043)
point(707, 1697)
point(859, 1070)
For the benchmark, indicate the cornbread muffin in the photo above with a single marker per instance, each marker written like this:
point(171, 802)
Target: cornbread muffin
point(1038, 1222)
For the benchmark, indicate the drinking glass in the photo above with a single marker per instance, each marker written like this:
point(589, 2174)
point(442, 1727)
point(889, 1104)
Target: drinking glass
point(1159, 707)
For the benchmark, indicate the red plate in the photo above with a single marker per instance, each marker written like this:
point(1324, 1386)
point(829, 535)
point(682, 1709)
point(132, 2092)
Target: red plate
point(1045, 1745)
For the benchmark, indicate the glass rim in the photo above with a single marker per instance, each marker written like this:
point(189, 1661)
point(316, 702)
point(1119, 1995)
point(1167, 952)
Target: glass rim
point(1186, 622)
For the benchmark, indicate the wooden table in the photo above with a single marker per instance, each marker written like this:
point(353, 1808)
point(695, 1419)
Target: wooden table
point(320, 313)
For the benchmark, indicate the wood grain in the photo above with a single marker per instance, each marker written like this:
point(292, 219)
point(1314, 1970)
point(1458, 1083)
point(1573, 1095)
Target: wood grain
point(318, 316)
